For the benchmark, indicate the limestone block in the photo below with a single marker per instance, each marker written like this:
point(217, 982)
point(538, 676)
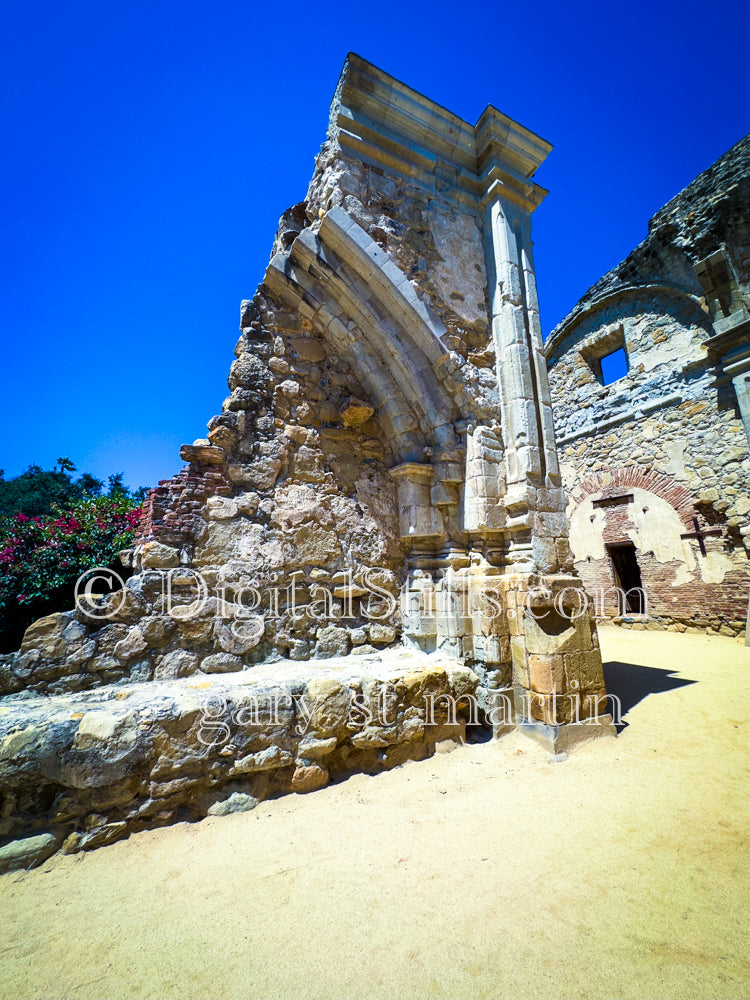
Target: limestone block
point(28, 852)
point(234, 803)
point(547, 632)
point(354, 413)
point(308, 465)
point(154, 555)
point(241, 635)
point(485, 482)
point(552, 525)
point(313, 748)
point(420, 625)
point(315, 545)
point(179, 663)
point(222, 437)
point(158, 631)
point(546, 673)
point(458, 238)
point(331, 641)
point(544, 550)
point(327, 702)
point(46, 635)
point(220, 663)
point(103, 664)
point(299, 649)
point(124, 606)
point(133, 644)
point(585, 667)
point(249, 372)
point(309, 777)
point(247, 503)
point(270, 759)
point(417, 518)
point(308, 349)
point(202, 454)
point(221, 508)
point(381, 634)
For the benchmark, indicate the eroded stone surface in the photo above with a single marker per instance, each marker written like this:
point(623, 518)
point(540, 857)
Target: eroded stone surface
point(98, 765)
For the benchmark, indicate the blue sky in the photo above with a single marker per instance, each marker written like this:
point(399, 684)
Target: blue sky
point(149, 150)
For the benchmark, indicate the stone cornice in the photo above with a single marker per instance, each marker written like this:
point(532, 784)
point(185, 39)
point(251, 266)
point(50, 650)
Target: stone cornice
point(383, 121)
point(499, 139)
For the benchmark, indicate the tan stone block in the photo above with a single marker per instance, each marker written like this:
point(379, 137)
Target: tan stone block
point(546, 673)
point(309, 777)
point(517, 652)
point(593, 706)
point(541, 708)
point(308, 350)
point(585, 668)
point(356, 412)
point(46, 634)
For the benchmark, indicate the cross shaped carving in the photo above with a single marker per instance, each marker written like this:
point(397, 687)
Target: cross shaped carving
point(700, 534)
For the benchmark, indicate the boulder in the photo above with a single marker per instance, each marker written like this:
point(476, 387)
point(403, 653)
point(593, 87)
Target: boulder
point(236, 802)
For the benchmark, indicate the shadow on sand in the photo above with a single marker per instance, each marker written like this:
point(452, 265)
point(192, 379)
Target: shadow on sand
point(632, 682)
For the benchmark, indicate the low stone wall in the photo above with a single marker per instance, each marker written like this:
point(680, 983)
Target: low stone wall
point(82, 770)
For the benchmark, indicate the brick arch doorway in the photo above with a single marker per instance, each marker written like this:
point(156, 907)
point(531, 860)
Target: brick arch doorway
point(626, 533)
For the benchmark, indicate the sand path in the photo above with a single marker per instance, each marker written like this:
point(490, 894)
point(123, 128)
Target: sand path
point(491, 871)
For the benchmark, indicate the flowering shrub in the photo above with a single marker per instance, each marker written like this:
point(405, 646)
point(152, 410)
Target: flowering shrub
point(41, 557)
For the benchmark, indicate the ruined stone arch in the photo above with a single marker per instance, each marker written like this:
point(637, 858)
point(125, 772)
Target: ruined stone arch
point(367, 311)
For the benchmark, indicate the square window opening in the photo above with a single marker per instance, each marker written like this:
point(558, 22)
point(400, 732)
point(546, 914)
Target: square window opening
point(613, 366)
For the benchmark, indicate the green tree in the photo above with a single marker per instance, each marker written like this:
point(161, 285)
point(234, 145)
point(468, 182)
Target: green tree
point(36, 490)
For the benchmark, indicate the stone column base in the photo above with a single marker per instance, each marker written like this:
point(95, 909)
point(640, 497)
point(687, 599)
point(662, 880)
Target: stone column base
point(560, 739)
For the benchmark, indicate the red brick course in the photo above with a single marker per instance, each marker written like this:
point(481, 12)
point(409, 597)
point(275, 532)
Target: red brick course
point(171, 511)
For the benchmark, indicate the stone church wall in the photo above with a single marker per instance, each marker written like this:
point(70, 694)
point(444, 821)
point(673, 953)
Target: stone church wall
point(671, 430)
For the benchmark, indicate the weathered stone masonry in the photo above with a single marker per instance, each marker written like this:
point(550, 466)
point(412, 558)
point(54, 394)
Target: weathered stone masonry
point(389, 422)
point(668, 439)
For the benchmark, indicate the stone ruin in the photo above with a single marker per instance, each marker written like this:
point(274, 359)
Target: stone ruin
point(656, 463)
point(383, 472)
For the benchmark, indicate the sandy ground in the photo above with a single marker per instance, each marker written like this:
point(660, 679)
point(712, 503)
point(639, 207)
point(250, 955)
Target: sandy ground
point(492, 871)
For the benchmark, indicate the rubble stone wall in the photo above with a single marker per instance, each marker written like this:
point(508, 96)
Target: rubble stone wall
point(81, 771)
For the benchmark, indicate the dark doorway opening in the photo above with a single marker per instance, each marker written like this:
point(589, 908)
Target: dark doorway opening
point(627, 574)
